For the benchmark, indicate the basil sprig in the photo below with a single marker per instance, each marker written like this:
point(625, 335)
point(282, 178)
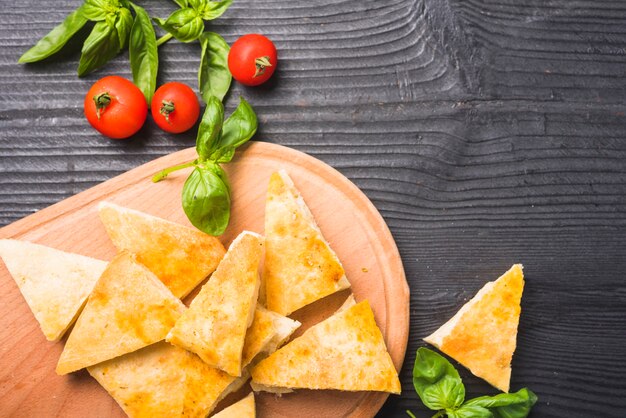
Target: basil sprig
point(187, 23)
point(206, 193)
point(214, 78)
point(440, 388)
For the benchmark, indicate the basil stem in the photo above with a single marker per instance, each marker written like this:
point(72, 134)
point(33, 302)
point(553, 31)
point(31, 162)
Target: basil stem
point(214, 78)
point(143, 54)
point(56, 38)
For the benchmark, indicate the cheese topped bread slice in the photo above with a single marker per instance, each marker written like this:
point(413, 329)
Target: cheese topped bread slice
point(344, 352)
point(244, 408)
point(482, 335)
point(181, 257)
point(147, 383)
point(55, 284)
point(128, 309)
point(206, 386)
point(214, 327)
point(300, 267)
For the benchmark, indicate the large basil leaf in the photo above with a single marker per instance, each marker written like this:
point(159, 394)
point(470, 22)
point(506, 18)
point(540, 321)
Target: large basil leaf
point(102, 44)
point(56, 38)
point(143, 54)
point(123, 25)
point(210, 128)
point(186, 25)
point(214, 78)
point(507, 405)
point(436, 381)
point(237, 130)
point(470, 411)
point(206, 199)
point(210, 10)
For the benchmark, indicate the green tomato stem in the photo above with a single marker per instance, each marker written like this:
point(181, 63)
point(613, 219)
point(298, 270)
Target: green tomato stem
point(164, 39)
point(164, 173)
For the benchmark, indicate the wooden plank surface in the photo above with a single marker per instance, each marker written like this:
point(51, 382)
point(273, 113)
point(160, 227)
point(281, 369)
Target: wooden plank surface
point(485, 132)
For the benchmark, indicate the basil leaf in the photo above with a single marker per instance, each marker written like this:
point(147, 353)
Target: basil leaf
point(123, 25)
point(206, 199)
point(507, 405)
point(56, 38)
point(97, 10)
point(181, 3)
point(143, 54)
point(184, 24)
point(237, 130)
point(102, 44)
point(214, 78)
point(210, 128)
point(471, 411)
point(214, 9)
point(436, 381)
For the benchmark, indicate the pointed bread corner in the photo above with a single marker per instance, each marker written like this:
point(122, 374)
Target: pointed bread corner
point(300, 267)
point(128, 309)
point(244, 408)
point(345, 352)
point(482, 336)
point(55, 284)
point(181, 257)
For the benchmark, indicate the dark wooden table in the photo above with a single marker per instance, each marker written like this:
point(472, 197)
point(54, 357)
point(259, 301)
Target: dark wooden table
point(485, 132)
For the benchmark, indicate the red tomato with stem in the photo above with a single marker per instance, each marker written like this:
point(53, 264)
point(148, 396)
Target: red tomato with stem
point(252, 59)
point(175, 107)
point(115, 107)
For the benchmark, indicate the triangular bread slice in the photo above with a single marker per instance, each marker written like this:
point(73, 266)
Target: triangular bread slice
point(181, 257)
point(244, 408)
point(55, 284)
point(128, 309)
point(345, 352)
point(482, 335)
point(214, 327)
point(149, 382)
point(300, 267)
point(207, 386)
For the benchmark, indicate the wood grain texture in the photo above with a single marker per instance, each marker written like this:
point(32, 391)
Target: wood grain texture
point(487, 132)
point(352, 225)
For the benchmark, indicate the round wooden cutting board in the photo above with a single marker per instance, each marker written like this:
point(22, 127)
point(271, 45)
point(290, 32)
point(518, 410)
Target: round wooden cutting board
point(29, 386)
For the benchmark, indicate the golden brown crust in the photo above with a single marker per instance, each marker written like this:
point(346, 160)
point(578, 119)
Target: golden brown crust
point(300, 267)
point(146, 383)
point(179, 256)
point(214, 327)
point(55, 284)
point(128, 309)
point(482, 335)
point(345, 352)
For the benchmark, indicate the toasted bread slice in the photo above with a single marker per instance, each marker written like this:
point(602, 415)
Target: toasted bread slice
point(214, 327)
point(300, 267)
point(55, 284)
point(344, 352)
point(128, 309)
point(147, 383)
point(482, 335)
point(245, 408)
point(207, 386)
point(181, 257)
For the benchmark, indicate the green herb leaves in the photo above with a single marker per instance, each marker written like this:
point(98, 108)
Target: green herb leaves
point(214, 78)
point(206, 193)
point(440, 388)
point(187, 23)
point(144, 57)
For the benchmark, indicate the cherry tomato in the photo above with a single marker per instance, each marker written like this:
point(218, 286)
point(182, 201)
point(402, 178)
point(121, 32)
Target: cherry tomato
point(252, 59)
point(115, 107)
point(175, 107)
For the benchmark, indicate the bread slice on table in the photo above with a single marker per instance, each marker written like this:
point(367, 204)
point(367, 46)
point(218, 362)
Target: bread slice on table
point(482, 335)
point(245, 408)
point(55, 284)
point(128, 309)
point(344, 352)
point(147, 383)
point(214, 327)
point(300, 267)
point(181, 257)
point(206, 386)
